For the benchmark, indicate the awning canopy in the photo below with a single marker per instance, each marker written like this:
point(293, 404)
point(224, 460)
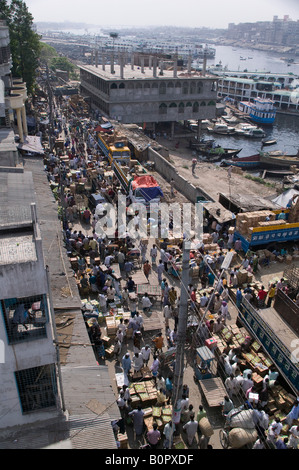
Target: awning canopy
point(219, 212)
point(32, 144)
point(283, 199)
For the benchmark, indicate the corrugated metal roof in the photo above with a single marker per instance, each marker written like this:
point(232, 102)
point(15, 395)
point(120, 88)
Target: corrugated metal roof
point(91, 431)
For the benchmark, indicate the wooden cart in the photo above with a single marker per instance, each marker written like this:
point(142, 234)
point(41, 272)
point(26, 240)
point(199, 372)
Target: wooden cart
point(213, 390)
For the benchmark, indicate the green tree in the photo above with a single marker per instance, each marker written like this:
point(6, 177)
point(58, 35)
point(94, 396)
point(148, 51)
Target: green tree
point(25, 43)
point(47, 53)
point(62, 63)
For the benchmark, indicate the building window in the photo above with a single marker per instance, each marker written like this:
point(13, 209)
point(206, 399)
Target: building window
point(203, 103)
point(199, 87)
point(25, 318)
point(162, 89)
point(163, 108)
point(121, 85)
point(211, 103)
point(147, 85)
point(181, 108)
point(170, 86)
point(195, 107)
point(185, 88)
point(37, 388)
point(173, 105)
point(113, 86)
point(192, 88)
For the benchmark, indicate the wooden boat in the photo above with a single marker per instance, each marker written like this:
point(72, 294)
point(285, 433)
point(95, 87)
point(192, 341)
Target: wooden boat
point(220, 152)
point(250, 162)
point(278, 160)
point(269, 142)
point(200, 144)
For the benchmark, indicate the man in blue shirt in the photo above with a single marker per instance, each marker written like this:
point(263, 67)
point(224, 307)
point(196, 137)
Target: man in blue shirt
point(282, 444)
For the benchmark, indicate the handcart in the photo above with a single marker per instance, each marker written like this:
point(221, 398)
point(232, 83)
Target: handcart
point(205, 373)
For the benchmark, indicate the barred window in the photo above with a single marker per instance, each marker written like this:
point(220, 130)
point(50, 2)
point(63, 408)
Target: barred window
point(37, 388)
point(25, 318)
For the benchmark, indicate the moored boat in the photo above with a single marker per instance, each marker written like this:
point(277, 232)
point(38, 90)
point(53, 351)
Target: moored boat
point(250, 162)
point(222, 129)
point(269, 142)
point(220, 152)
point(278, 159)
point(262, 111)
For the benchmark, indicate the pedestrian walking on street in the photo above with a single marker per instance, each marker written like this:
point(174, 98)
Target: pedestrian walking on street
point(191, 429)
point(194, 161)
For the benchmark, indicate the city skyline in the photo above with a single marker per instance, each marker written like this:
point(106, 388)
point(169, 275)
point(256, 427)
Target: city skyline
point(197, 13)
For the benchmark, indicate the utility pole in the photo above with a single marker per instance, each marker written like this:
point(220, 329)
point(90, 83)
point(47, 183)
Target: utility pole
point(182, 328)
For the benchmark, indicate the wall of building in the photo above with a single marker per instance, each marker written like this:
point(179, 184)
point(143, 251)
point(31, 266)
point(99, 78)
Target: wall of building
point(152, 100)
point(19, 357)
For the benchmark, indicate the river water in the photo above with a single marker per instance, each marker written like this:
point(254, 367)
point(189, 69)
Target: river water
point(286, 127)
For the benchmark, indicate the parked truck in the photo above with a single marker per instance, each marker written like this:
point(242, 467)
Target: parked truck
point(139, 185)
point(266, 228)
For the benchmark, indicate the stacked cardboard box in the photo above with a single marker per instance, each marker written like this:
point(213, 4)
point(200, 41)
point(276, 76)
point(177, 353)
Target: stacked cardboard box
point(246, 221)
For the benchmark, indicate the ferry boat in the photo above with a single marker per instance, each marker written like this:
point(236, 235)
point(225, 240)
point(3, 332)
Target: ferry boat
point(261, 111)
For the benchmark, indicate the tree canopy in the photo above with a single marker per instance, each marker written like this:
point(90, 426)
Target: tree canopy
point(25, 43)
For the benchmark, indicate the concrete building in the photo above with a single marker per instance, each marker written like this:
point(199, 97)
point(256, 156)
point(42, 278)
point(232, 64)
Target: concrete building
point(279, 31)
point(29, 389)
point(13, 94)
point(150, 95)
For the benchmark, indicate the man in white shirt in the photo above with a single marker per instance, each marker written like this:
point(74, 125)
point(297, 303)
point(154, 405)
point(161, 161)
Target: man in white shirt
point(145, 353)
point(139, 320)
point(160, 270)
point(203, 300)
point(294, 437)
point(110, 294)
point(102, 303)
point(273, 431)
point(232, 386)
point(167, 314)
point(191, 429)
point(146, 303)
point(137, 362)
point(247, 383)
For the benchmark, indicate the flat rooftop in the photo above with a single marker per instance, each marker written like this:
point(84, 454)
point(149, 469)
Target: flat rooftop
point(16, 195)
point(135, 74)
point(16, 249)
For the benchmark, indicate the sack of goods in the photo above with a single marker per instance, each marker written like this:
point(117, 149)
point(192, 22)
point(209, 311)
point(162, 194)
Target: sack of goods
point(239, 437)
point(241, 419)
point(205, 427)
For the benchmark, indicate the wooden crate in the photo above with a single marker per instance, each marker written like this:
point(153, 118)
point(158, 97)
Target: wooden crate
point(123, 440)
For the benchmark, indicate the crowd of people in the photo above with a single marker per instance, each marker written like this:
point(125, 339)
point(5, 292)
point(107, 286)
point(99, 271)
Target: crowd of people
point(98, 256)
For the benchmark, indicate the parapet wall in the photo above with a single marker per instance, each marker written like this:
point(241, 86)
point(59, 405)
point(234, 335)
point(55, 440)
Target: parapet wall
point(168, 171)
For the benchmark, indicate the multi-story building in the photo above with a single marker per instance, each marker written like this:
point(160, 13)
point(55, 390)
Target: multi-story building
point(267, 86)
point(13, 94)
point(28, 366)
point(151, 94)
point(281, 32)
point(29, 389)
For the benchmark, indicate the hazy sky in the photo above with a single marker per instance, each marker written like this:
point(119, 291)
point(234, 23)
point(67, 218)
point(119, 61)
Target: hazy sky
point(193, 13)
